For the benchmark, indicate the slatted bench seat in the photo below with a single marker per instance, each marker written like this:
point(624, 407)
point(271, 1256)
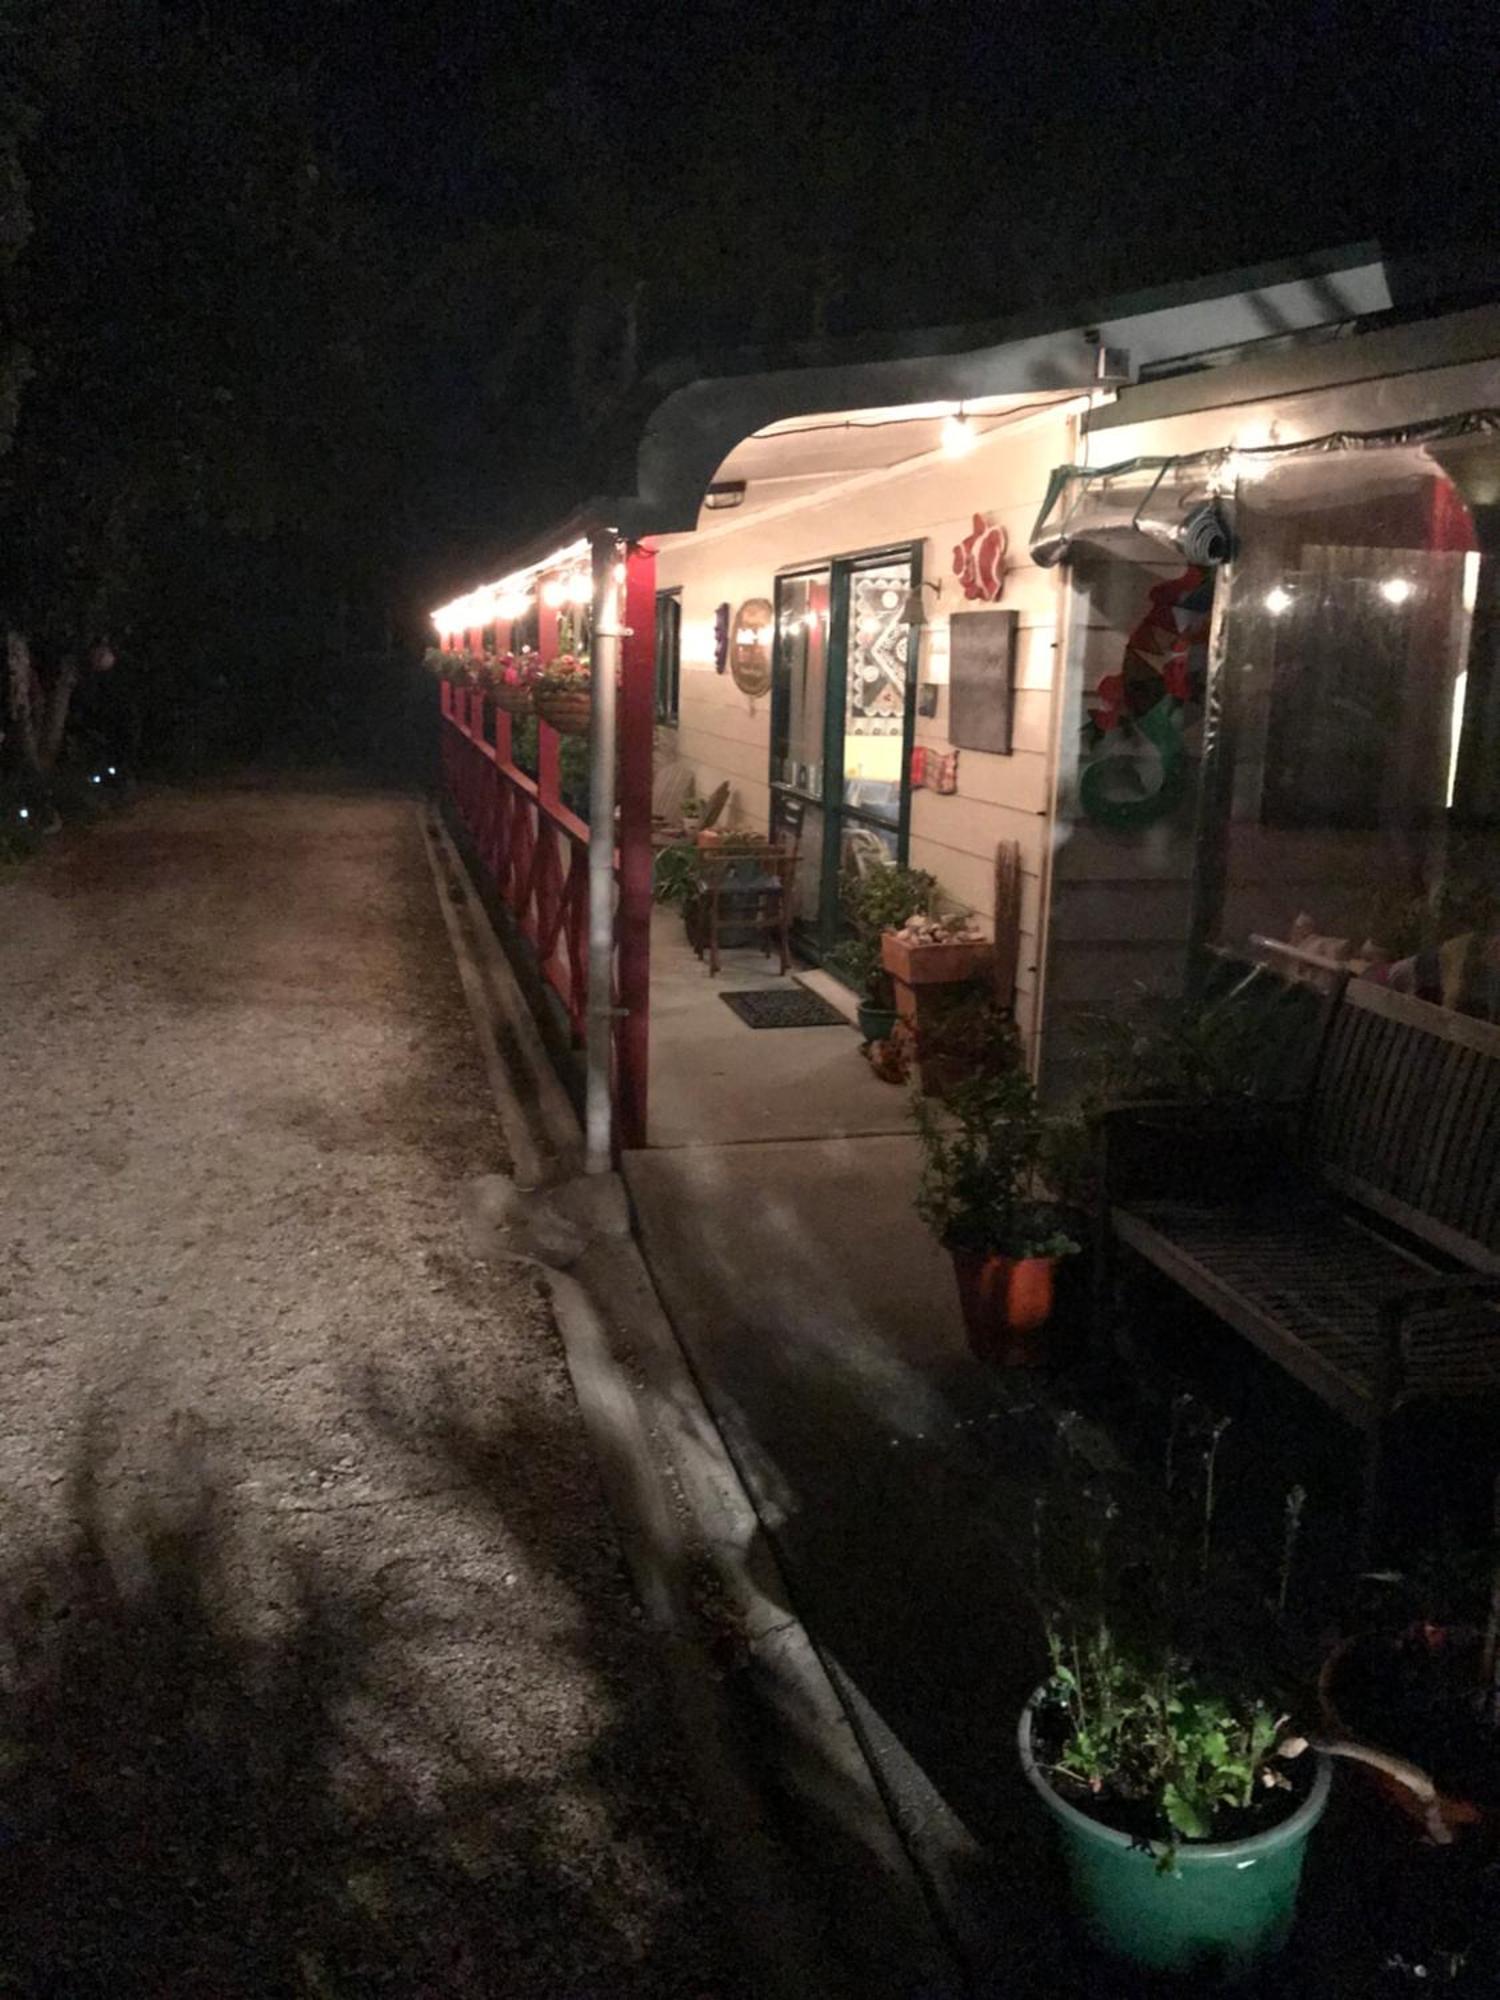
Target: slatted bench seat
point(1354, 1238)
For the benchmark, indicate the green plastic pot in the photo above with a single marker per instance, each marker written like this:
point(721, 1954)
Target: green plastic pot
point(875, 1023)
point(1223, 1906)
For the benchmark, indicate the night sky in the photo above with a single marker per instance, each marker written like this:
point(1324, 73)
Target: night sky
point(314, 311)
point(764, 173)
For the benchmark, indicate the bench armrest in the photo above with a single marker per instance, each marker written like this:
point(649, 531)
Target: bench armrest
point(1442, 1289)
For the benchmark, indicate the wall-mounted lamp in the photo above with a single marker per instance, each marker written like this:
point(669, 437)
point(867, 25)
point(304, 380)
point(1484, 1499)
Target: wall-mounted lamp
point(914, 611)
point(959, 435)
point(724, 494)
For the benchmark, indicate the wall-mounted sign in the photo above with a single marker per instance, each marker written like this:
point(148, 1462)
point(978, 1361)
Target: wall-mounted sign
point(981, 676)
point(750, 646)
point(979, 562)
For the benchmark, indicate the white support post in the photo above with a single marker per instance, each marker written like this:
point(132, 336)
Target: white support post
point(599, 1096)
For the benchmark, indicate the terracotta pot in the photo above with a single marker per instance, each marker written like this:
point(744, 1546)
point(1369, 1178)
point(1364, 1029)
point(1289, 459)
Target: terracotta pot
point(935, 964)
point(1437, 1816)
point(515, 700)
point(1006, 1303)
point(565, 709)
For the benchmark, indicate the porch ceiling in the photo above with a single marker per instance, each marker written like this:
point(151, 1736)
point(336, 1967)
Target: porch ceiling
point(802, 454)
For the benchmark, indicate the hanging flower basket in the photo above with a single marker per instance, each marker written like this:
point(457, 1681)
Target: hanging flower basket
point(513, 683)
point(563, 695)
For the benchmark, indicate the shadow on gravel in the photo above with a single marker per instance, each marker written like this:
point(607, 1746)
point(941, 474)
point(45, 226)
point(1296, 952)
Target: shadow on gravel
point(188, 1810)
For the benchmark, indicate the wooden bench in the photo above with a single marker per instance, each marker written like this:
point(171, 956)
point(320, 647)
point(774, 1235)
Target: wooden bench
point(1354, 1237)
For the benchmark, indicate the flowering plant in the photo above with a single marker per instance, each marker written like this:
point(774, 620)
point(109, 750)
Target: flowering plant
point(566, 673)
point(452, 665)
point(516, 669)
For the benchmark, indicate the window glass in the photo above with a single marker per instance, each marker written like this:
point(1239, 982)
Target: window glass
point(802, 676)
point(668, 654)
point(1358, 736)
point(875, 688)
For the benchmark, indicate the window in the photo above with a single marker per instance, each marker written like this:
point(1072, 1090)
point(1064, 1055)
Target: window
point(668, 654)
point(1357, 738)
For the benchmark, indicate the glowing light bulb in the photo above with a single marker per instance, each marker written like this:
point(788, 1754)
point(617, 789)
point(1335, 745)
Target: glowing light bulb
point(25, 814)
point(109, 771)
point(1278, 600)
point(96, 779)
point(958, 435)
point(553, 592)
point(1396, 589)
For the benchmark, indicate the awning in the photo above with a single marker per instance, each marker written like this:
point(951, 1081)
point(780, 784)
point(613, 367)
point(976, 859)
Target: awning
point(1140, 510)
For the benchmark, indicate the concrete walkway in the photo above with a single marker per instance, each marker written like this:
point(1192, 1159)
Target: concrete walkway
point(715, 1081)
point(320, 1672)
point(896, 1478)
point(893, 1473)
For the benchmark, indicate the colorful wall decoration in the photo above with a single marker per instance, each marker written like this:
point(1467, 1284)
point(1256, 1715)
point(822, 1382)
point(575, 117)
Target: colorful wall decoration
point(1134, 767)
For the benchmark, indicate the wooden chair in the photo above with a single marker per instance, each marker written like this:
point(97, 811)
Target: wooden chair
point(751, 882)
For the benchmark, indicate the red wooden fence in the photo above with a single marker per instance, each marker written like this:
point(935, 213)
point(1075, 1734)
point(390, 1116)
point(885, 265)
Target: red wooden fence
point(534, 849)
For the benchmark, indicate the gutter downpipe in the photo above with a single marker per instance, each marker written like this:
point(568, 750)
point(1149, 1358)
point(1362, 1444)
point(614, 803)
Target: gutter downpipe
point(599, 1041)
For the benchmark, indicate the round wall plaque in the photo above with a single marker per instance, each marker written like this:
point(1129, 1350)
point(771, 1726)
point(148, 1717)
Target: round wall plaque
point(750, 646)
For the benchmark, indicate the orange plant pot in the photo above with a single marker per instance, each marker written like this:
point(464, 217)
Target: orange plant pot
point(1006, 1303)
point(935, 964)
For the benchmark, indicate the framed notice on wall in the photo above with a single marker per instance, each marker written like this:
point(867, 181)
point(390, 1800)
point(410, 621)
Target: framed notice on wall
point(981, 679)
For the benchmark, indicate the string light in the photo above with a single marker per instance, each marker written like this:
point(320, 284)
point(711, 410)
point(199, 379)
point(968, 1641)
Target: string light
point(1396, 589)
point(1278, 600)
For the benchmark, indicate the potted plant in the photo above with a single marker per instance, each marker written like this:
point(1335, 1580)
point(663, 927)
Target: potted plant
point(1415, 1694)
point(1157, 1744)
point(936, 950)
point(1183, 1809)
point(675, 876)
point(448, 664)
point(562, 693)
point(856, 961)
point(984, 1195)
point(875, 902)
point(514, 674)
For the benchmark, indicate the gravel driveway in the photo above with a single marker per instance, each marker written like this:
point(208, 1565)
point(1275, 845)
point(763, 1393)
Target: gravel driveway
point(319, 1674)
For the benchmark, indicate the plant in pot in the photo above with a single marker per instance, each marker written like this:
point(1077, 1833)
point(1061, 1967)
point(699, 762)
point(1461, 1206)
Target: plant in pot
point(984, 1195)
point(562, 693)
point(1182, 1804)
point(879, 900)
point(675, 876)
point(1415, 1691)
point(513, 677)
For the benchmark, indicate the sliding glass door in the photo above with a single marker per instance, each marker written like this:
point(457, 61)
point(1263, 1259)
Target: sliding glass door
point(843, 699)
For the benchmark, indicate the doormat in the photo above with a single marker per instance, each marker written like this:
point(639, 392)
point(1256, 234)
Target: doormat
point(784, 1007)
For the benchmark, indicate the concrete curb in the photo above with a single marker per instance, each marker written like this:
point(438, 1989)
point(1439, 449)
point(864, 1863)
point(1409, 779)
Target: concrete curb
point(824, 1892)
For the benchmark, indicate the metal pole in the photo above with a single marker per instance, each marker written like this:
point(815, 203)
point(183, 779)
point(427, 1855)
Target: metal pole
point(598, 1098)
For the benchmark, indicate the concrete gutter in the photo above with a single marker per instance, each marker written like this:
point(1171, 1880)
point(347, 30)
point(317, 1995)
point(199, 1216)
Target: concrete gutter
point(820, 1885)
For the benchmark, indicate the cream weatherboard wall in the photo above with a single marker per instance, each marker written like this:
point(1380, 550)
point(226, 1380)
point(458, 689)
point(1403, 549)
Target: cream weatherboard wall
point(722, 734)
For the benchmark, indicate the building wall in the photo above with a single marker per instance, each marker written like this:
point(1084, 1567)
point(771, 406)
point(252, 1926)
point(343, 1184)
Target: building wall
point(723, 734)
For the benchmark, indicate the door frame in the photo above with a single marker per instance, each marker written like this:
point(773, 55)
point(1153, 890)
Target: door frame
point(831, 803)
